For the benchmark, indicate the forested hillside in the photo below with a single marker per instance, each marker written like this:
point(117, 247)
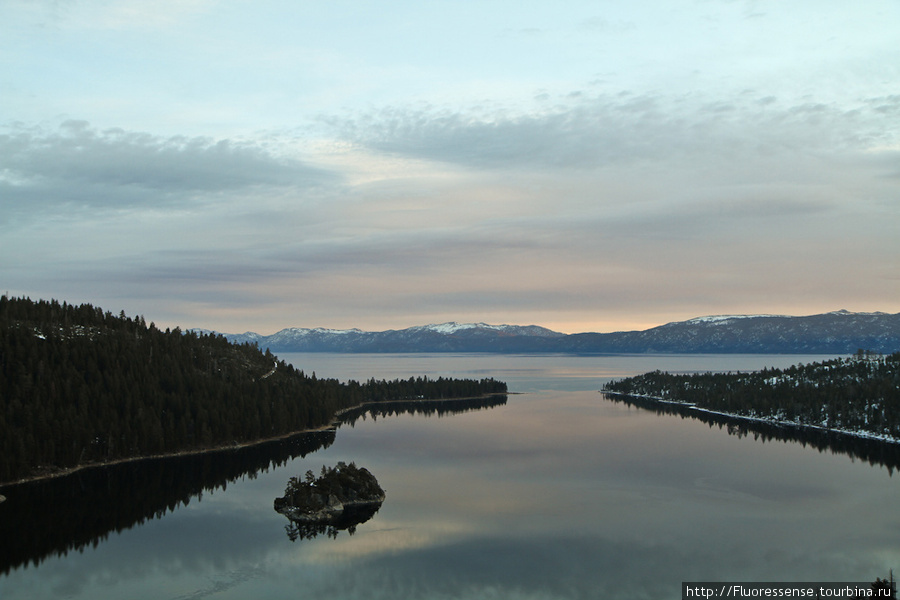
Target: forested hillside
point(859, 394)
point(80, 385)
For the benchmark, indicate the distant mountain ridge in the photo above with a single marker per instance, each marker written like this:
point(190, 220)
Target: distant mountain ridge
point(838, 332)
point(443, 337)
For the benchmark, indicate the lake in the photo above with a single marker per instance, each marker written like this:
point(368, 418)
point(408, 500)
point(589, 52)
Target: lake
point(556, 493)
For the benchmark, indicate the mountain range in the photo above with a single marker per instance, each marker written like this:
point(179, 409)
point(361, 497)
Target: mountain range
point(839, 332)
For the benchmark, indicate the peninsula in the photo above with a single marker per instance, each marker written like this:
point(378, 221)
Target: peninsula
point(858, 395)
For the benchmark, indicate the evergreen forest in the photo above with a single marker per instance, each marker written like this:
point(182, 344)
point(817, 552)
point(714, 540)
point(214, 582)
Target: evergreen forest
point(858, 394)
point(79, 386)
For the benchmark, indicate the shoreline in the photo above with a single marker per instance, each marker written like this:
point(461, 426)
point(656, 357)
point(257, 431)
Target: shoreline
point(332, 425)
point(873, 437)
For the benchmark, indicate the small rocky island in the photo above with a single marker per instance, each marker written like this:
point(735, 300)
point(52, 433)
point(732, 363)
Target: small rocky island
point(341, 498)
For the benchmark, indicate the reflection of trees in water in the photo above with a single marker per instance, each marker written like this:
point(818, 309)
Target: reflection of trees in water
point(874, 452)
point(427, 408)
point(346, 521)
point(54, 516)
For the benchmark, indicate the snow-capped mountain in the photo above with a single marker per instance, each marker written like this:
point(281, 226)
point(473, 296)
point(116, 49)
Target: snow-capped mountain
point(443, 337)
point(839, 332)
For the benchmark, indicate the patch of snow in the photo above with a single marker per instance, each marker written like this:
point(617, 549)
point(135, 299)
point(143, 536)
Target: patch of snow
point(723, 319)
point(303, 331)
point(337, 331)
point(272, 372)
point(453, 327)
point(777, 419)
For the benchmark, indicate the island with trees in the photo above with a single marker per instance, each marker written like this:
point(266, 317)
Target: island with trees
point(340, 498)
point(857, 395)
point(81, 386)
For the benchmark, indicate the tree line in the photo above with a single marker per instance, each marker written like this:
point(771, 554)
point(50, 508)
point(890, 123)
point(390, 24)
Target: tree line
point(860, 393)
point(80, 385)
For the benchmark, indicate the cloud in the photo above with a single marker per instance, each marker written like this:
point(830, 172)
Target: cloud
point(625, 128)
point(573, 137)
point(78, 165)
point(599, 204)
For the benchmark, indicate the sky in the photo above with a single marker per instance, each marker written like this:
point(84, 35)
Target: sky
point(586, 166)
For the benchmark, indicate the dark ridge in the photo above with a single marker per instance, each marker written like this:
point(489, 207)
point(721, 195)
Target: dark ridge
point(81, 386)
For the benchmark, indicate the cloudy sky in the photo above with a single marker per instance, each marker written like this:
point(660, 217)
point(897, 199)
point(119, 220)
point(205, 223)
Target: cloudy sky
point(586, 166)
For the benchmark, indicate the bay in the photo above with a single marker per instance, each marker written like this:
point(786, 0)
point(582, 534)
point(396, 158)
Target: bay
point(555, 493)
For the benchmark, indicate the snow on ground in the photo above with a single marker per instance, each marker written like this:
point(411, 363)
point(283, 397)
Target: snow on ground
point(453, 327)
point(722, 319)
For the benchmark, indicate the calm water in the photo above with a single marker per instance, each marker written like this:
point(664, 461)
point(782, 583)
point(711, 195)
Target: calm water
point(558, 493)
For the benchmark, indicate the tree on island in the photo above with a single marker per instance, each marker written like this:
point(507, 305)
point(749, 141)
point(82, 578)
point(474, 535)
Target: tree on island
point(341, 497)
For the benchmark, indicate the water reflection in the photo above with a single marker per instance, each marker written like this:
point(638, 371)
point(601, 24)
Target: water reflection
point(438, 408)
point(53, 517)
point(559, 496)
point(56, 516)
point(347, 521)
point(874, 452)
